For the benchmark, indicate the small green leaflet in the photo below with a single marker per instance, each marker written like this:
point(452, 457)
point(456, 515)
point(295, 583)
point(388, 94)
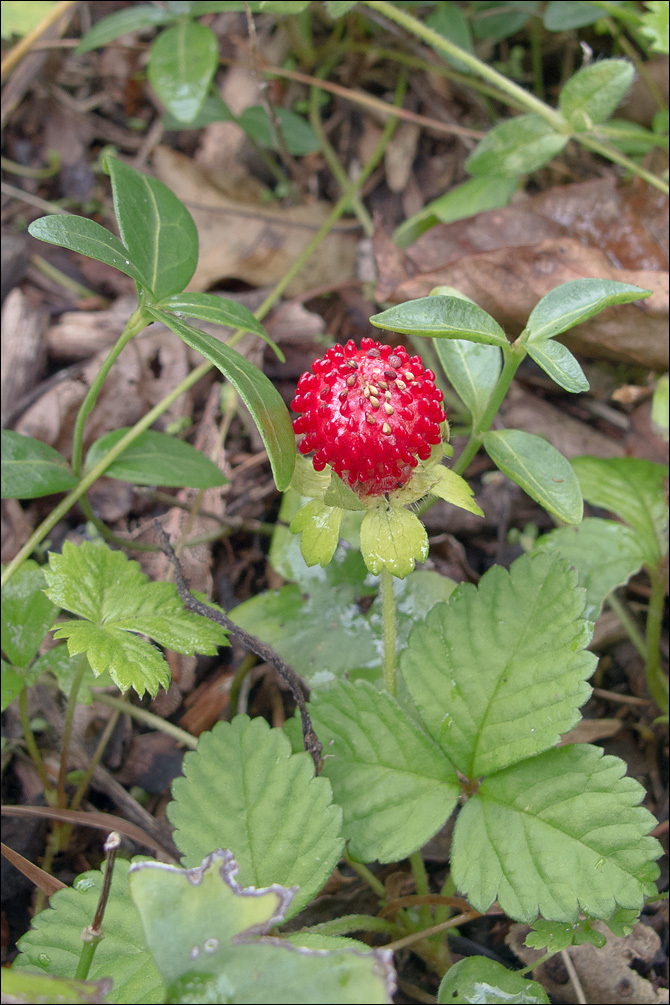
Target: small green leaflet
point(478, 979)
point(518, 146)
point(318, 525)
point(156, 459)
point(86, 237)
point(593, 93)
point(557, 935)
point(394, 539)
point(558, 363)
point(31, 469)
point(181, 67)
point(575, 302)
point(473, 370)
point(123, 22)
point(27, 614)
point(221, 311)
point(442, 317)
point(115, 599)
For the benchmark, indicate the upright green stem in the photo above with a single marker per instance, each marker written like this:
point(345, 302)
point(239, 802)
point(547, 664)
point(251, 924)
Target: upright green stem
point(388, 629)
point(367, 876)
point(657, 682)
point(535, 29)
point(628, 624)
point(92, 934)
point(422, 887)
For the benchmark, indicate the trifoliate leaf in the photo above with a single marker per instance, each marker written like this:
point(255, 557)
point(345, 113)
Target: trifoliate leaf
point(394, 539)
point(243, 789)
point(115, 598)
point(499, 671)
point(395, 786)
point(318, 525)
point(556, 834)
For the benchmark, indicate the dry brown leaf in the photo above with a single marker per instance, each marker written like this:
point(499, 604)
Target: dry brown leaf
point(23, 353)
point(591, 730)
point(400, 154)
point(570, 436)
point(79, 334)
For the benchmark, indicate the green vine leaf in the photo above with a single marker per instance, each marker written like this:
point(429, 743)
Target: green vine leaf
point(575, 302)
point(558, 363)
point(220, 311)
point(499, 671)
point(556, 834)
point(123, 22)
point(181, 67)
point(31, 469)
point(394, 539)
point(87, 237)
point(243, 789)
point(156, 459)
point(518, 146)
point(442, 317)
point(115, 599)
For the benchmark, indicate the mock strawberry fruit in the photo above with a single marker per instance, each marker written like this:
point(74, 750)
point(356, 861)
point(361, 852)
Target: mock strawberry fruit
point(370, 413)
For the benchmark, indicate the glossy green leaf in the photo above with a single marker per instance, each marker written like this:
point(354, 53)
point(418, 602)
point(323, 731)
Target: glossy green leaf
point(156, 459)
point(635, 491)
point(604, 553)
point(454, 490)
point(594, 93)
point(563, 15)
point(572, 303)
point(123, 22)
point(21, 988)
point(512, 676)
point(539, 469)
point(558, 935)
point(516, 147)
point(556, 834)
point(476, 195)
point(220, 311)
point(394, 784)
point(442, 317)
point(30, 468)
point(558, 362)
point(27, 614)
point(298, 135)
point(115, 599)
point(261, 397)
point(478, 979)
point(244, 790)
point(473, 370)
point(87, 237)
point(394, 539)
point(53, 944)
point(156, 227)
point(181, 67)
point(318, 526)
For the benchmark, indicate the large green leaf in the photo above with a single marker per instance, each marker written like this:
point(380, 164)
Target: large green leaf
point(156, 459)
point(478, 979)
point(123, 22)
point(156, 227)
point(244, 790)
point(558, 362)
point(516, 147)
point(499, 671)
point(473, 370)
point(21, 988)
point(261, 397)
point(181, 67)
point(539, 469)
point(572, 303)
point(53, 944)
point(442, 317)
point(394, 784)
point(594, 93)
point(203, 930)
point(604, 553)
point(115, 599)
point(27, 614)
point(87, 237)
point(556, 834)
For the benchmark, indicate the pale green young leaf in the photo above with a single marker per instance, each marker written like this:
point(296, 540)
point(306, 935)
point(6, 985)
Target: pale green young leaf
point(478, 979)
point(26, 614)
point(442, 317)
point(21, 988)
point(182, 64)
point(244, 790)
point(155, 227)
point(53, 944)
point(86, 237)
point(454, 490)
point(261, 397)
point(115, 598)
point(635, 491)
point(499, 671)
point(155, 458)
point(572, 303)
point(594, 93)
point(220, 311)
point(555, 936)
point(605, 554)
point(555, 835)
point(473, 370)
point(318, 526)
point(655, 25)
point(394, 784)
point(476, 195)
point(518, 146)
point(558, 363)
point(123, 22)
point(394, 539)
point(539, 469)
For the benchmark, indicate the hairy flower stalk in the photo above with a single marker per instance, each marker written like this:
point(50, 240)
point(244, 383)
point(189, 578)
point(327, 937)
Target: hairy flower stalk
point(371, 414)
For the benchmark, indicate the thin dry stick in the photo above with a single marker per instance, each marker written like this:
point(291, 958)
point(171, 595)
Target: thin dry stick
point(574, 979)
point(268, 655)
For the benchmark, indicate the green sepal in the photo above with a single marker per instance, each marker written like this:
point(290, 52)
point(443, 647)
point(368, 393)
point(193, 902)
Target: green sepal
point(339, 494)
point(319, 525)
point(392, 538)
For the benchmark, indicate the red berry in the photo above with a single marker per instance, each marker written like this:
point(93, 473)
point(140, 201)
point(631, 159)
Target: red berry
point(369, 413)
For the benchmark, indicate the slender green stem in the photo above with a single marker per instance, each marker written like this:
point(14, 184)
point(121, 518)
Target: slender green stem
point(352, 923)
point(67, 731)
point(88, 948)
point(422, 887)
point(388, 629)
point(611, 153)
point(149, 719)
point(67, 282)
point(367, 876)
point(536, 963)
point(657, 682)
point(32, 748)
point(535, 30)
point(95, 760)
point(628, 624)
point(92, 934)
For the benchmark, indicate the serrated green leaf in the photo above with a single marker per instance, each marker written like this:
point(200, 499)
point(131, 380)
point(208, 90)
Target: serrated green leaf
point(558, 362)
point(261, 397)
point(53, 944)
point(114, 596)
point(26, 614)
point(181, 67)
point(394, 784)
point(220, 311)
point(473, 370)
point(634, 490)
point(563, 15)
point(556, 834)
point(442, 317)
point(156, 227)
point(575, 302)
point(318, 526)
point(298, 135)
point(394, 539)
point(243, 789)
point(87, 237)
point(21, 988)
point(516, 147)
point(655, 25)
point(593, 93)
point(539, 469)
point(499, 671)
point(30, 468)
point(123, 22)
point(454, 490)
point(156, 459)
point(478, 979)
point(555, 936)
point(622, 922)
point(604, 553)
